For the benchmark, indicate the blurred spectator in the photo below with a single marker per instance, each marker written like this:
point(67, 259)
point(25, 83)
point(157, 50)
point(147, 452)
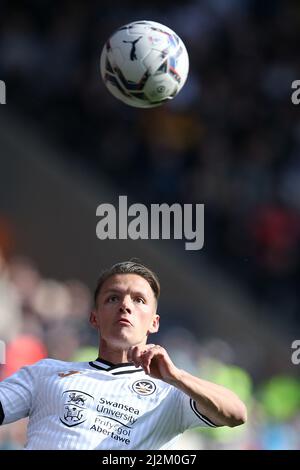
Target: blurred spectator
point(22, 351)
point(10, 305)
point(52, 300)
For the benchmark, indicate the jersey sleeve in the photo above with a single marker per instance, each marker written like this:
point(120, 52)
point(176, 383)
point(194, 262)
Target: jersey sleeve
point(16, 395)
point(1, 414)
point(190, 416)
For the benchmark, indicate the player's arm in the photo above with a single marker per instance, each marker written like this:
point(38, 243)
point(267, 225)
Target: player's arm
point(217, 403)
point(16, 393)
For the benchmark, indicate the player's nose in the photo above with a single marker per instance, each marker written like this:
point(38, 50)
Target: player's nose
point(125, 306)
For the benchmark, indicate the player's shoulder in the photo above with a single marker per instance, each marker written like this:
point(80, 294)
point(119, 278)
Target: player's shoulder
point(53, 365)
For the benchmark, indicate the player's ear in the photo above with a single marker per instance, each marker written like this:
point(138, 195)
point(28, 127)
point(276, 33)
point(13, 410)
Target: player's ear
point(154, 324)
point(93, 319)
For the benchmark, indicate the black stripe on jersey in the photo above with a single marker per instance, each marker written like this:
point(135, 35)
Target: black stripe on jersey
point(113, 367)
point(127, 372)
point(1, 414)
point(201, 416)
point(107, 363)
point(97, 367)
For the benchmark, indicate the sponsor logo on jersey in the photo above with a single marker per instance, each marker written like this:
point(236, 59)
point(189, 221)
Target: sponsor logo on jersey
point(144, 387)
point(67, 374)
point(75, 407)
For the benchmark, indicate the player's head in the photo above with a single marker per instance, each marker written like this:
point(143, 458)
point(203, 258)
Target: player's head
point(129, 267)
point(126, 299)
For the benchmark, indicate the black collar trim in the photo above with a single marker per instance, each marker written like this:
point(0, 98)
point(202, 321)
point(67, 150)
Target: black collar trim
point(104, 363)
point(107, 366)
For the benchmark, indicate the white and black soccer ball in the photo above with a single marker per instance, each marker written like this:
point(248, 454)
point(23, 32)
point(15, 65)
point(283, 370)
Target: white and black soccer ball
point(144, 64)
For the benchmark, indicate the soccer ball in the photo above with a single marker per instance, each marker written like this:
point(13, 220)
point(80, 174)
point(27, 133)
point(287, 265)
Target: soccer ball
point(144, 64)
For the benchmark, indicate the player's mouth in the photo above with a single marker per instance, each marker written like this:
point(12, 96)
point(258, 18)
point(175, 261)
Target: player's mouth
point(124, 321)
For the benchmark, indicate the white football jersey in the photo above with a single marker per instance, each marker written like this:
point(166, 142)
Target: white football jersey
point(96, 405)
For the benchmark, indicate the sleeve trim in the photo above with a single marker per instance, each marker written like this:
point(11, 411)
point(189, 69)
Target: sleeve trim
point(1, 414)
point(200, 415)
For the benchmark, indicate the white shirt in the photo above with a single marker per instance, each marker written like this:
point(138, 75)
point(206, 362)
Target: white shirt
point(97, 405)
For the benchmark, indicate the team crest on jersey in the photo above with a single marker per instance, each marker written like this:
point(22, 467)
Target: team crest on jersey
point(144, 387)
point(76, 404)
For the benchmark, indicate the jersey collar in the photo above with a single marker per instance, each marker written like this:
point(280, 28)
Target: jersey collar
point(114, 369)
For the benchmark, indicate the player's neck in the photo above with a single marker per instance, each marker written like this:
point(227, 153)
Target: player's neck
point(112, 355)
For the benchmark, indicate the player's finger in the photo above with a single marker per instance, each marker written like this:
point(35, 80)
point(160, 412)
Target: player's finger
point(131, 353)
point(146, 360)
point(136, 355)
point(139, 351)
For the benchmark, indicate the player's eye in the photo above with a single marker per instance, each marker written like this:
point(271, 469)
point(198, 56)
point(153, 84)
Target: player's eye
point(112, 298)
point(139, 300)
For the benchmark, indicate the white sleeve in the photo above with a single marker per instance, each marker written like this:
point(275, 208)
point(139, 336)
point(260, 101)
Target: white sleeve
point(16, 394)
point(190, 416)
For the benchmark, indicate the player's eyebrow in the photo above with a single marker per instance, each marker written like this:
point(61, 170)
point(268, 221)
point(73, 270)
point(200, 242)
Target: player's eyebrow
point(115, 290)
point(112, 290)
point(139, 293)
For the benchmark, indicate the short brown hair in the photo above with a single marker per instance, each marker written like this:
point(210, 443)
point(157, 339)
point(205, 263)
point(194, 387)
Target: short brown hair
point(129, 267)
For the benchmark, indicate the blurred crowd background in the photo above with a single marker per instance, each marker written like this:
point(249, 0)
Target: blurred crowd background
point(230, 140)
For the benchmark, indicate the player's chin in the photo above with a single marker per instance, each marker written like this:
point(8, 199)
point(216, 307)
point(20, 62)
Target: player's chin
point(124, 330)
point(123, 339)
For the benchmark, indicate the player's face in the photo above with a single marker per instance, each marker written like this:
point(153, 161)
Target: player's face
point(126, 311)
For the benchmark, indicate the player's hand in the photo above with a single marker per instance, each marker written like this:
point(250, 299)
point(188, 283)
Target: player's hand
point(155, 361)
